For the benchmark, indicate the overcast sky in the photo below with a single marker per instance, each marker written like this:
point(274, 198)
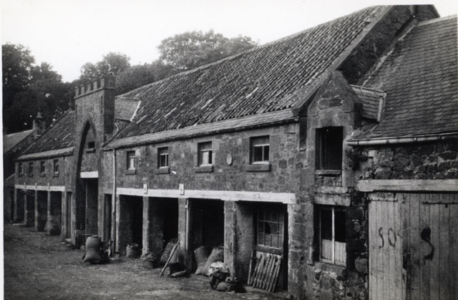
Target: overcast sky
point(68, 34)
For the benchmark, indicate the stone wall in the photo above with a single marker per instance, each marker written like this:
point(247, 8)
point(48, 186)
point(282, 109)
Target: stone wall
point(49, 176)
point(434, 160)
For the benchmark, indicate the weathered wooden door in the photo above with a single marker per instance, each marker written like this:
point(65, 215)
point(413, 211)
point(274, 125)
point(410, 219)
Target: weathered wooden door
point(431, 246)
point(385, 248)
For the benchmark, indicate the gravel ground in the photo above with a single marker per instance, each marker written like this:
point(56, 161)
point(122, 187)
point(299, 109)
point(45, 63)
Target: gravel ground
point(41, 267)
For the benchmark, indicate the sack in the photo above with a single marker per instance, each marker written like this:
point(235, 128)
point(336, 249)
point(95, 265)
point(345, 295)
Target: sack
point(92, 248)
point(216, 255)
point(202, 253)
point(52, 226)
point(166, 253)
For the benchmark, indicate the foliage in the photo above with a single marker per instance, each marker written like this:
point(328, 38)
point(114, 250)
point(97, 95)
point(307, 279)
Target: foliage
point(112, 63)
point(195, 48)
point(29, 89)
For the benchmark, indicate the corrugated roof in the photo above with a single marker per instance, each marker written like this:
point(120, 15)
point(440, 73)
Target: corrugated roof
point(420, 77)
point(254, 82)
point(11, 140)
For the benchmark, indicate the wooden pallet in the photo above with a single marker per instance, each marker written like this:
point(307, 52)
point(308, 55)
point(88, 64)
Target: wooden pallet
point(264, 271)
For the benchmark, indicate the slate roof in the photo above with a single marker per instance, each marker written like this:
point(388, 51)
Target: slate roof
point(420, 77)
point(125, 108)
point(11, 140)
point(259, 81)
point(60, 135)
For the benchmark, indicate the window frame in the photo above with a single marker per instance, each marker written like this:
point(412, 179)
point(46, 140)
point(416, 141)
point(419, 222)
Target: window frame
point(20, 169)
point(333, 241)
point(30, 170)
point(326, 148)
point(264, 146)
point(42, 167)
point(55, 165)
point(201, 152)
point(163, 152)
point(131, 160)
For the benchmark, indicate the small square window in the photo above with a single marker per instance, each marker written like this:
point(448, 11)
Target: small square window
point(91, 145)
point(260, 149)
point(131, 160)
point(20, 169)
point(163, 157)
point(329, 145)
point(56, 166)
point(42, 167)
point(332, 235)
point(30, 168)
point(205, 154)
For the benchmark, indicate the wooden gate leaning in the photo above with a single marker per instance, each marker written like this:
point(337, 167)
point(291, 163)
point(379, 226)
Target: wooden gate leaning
point(385, 248)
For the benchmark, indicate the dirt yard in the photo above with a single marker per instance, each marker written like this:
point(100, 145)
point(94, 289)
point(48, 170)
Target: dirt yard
point(41, 267)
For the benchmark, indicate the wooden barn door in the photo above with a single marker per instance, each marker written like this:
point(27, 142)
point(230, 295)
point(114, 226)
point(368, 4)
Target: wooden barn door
point(385, 248)
point(431, 246)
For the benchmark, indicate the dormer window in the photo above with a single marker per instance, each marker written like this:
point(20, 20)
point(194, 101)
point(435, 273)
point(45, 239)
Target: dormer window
point(329, 145)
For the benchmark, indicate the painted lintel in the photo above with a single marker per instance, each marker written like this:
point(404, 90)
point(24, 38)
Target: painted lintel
point(408, 185)
point(286, 198)
point(92, 174)
point(52, 188)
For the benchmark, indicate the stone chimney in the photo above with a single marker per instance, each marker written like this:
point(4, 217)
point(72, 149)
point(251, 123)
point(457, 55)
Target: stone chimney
point(38, 126)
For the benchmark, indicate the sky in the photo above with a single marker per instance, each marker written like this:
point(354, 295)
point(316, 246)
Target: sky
point(67, 34)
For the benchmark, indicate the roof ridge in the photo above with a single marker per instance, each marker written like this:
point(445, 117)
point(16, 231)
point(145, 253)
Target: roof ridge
point(436, 20)
point(283, 39)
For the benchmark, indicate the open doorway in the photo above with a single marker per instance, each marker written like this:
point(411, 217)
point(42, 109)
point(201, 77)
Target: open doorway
point(130, 222)
point(41, 215)
point(207, 223)
point(163, 222)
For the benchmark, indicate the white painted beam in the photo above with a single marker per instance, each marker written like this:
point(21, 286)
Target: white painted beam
point(408, 185)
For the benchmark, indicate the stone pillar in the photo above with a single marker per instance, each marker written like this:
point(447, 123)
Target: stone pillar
point(184, 222)
point(244, 216)
point(230, 238)
point(63, 231)
point(146, 226)
point(29, 209)
point(42, 200)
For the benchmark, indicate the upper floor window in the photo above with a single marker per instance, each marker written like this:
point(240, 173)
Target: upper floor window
point(31, 168)
point(205, 154)
point(20, 169)
point(260, 149)
point(91, 145)
point(56, 166)
point(332, 235)
point(131, 160)
point(163, 157)
point(329, 145)
point(42, 167)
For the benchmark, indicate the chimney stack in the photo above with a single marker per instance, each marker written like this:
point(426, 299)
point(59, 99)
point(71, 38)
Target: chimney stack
point(38, 125)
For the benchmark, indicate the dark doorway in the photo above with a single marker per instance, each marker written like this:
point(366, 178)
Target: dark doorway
point(163, 222)
point(41, 215)
point(54, 224)
point(68, 217)
point(107, 216)
point(131, 222)
point(207, 223)
point(92, 193)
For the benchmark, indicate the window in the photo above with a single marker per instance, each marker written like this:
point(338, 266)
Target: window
point(91, 145)
point(332, 235)
point(271, 227)
point(131, 160)
point(329, 143)
point(20, 169)
point(260, 150)
point(42, 167)
point(205, 154)
point(163, 157)
point(56, 166)
point(31, 168)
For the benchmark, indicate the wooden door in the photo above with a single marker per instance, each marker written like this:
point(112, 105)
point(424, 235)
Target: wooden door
point(431, 247)
point(385, 248)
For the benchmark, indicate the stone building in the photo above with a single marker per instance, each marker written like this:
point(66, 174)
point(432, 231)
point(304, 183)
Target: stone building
point(297, 148)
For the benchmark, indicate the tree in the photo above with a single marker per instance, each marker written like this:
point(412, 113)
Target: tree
point(113, 63)
point(195, 48)
point(16, 65)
